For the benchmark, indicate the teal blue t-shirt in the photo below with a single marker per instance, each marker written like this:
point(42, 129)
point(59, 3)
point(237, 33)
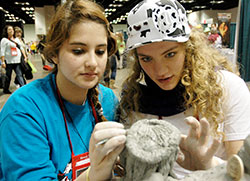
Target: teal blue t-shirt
point(33, 138)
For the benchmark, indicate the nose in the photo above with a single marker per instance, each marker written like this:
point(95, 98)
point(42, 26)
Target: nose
point(91, 60)
point(160, 67)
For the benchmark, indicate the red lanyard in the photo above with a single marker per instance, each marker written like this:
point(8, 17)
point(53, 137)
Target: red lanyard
point(65, 121)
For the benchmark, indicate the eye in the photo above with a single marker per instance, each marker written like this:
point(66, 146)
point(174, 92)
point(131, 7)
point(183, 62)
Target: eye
point(100, 51)
point(145, 59)
point(78, 51)
point(171, 54)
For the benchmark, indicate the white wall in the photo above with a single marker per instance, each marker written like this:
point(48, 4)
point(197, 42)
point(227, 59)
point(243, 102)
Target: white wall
point(198, 17)
point(29, 33)
point(42, 22)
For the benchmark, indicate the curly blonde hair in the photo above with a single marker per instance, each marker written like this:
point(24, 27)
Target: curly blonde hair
point(203, 89)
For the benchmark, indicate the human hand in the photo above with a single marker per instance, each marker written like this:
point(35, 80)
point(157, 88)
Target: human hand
point(3, 65)
point(103, 156)
point(198, 155)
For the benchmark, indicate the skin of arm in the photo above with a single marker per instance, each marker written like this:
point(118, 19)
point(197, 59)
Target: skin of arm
point(25, 57)
point(232, 147)
point(3, 63)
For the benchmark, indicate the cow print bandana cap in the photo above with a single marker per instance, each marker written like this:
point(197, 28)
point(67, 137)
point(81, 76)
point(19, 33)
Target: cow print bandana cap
point(155, 21)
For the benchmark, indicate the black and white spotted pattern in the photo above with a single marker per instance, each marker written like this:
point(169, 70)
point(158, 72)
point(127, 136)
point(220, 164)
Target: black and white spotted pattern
point(157, 20)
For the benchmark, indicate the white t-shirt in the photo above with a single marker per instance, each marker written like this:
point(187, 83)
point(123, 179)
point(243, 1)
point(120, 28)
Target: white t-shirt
point(6, 49)
point(236, 106)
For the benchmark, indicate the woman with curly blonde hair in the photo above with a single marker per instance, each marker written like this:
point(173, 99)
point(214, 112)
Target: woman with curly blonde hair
point(177, 74)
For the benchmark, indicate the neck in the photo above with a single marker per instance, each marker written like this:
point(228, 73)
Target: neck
point(70, 91)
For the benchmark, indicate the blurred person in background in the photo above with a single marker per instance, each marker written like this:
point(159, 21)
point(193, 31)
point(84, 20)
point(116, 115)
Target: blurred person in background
point(19, 36)
point(11, 52)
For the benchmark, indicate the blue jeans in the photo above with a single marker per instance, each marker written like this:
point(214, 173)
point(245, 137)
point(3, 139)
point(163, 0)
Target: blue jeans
point(19, 75)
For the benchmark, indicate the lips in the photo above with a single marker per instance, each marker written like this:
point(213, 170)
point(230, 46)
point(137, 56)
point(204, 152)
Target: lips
point(168, 79)
point(90, 73)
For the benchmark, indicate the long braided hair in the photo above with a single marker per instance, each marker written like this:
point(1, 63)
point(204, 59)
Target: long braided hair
point(92, 97)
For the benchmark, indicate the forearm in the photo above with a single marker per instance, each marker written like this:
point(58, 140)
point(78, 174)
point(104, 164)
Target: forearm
point(233, 147)
point(24, 54)
point(2, 59)
point(3, 62)
point(85, 176)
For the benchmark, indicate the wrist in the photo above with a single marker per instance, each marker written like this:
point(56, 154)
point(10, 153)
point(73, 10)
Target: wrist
point(87, 174)
point(216, 161)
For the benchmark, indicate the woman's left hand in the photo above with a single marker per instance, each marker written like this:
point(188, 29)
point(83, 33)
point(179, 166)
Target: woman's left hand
point(198, 154)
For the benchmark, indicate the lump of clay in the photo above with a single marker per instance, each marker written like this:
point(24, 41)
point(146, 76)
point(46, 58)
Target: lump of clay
point(152, 146)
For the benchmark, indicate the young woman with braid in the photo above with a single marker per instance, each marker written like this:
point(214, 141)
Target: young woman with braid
point(56, 128)
point(177, 74)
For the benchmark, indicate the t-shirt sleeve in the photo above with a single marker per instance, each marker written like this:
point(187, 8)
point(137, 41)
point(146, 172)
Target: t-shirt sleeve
point(26, 150)
point(237, 107)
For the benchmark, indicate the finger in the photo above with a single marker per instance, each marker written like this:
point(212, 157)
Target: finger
point(102, 151)
point(111, 157)
point(107, 133)
point(182, 144)
point(194, 131)
point(107, 124)
point(205, 127)
point(213, 148)
point(113, 143)
point(180, 157)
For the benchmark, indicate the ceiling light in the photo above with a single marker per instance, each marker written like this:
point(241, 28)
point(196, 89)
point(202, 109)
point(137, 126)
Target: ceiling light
point(186, 1)
point(200, 7)
point(217, 2)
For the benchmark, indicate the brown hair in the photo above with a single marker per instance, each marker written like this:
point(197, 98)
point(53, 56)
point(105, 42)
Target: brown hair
point(18, 29)
point(70, 13)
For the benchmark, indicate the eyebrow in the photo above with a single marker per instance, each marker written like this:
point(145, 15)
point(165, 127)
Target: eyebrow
point(84, 44)
point(170, 49)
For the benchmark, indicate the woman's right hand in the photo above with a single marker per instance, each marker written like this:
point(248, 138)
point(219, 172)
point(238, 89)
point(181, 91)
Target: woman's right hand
point(198, 152)
point(103, 156)
point(3, 65)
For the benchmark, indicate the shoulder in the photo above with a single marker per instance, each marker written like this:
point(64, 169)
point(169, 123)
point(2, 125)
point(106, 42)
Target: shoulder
point(230, 78)
point(236, 91)
point(106, 95)
point(108, 100)
point(233, 84)
point(106, 92)
point(4, 40)
point(29, 97)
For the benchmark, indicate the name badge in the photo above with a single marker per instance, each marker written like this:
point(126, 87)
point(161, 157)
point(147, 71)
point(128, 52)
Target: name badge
point(79, 164)
point(13, 51)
